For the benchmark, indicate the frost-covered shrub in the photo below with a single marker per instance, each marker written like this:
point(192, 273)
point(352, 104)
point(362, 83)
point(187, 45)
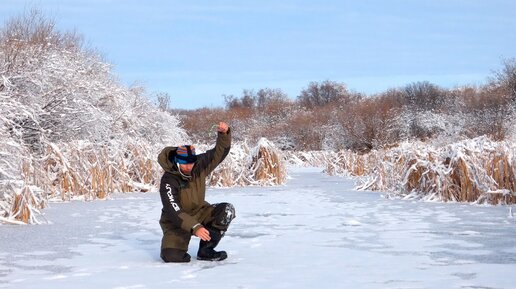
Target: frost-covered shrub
point(68, 128)
point(284, 143)
point(429, 125)
point(11, 151)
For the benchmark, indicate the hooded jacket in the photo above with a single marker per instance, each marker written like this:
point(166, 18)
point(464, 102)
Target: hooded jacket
point(183, 197)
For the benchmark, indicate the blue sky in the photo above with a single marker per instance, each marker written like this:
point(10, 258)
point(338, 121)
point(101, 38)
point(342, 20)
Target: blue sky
point(196, 51)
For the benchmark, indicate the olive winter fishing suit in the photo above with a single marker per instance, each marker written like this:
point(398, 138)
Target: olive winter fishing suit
point(184, 209)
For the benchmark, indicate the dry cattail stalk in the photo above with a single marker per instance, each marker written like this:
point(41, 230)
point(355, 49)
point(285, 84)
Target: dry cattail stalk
point(80, 170)
point(262, 165)
point(267, 164)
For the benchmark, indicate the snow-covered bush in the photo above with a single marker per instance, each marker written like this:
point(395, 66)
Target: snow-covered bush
point(68, 127)
point(71, 92)
point(427, 125)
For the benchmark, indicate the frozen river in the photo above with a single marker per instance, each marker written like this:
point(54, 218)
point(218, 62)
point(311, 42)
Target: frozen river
point(314, 232)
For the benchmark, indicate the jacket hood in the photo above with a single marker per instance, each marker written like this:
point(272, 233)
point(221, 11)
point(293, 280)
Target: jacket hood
point(164, 161)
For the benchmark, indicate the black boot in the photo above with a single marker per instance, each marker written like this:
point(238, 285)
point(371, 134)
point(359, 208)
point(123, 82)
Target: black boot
point(206, 248)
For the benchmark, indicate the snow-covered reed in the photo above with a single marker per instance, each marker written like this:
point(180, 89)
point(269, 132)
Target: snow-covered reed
point(260, 165)
point(77, 170)
point(309, 158)
point(88, 171)
point(476, 170)
point(93, 171)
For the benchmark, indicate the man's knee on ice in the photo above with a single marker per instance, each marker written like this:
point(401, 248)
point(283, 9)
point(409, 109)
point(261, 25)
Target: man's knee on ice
point(174, 255)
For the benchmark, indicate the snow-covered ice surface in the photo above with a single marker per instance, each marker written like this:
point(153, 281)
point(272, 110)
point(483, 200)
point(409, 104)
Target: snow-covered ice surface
point(314, 232)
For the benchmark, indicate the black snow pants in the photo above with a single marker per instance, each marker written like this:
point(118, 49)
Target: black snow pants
point(175, 240)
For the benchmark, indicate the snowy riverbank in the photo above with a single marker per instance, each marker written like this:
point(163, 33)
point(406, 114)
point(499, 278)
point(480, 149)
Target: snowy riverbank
point(314, 232)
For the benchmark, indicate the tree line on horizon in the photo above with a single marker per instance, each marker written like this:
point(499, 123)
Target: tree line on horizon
point(327, 115)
